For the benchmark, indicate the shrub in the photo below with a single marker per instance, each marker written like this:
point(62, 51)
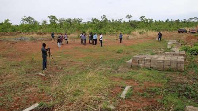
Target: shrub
point(193, 50)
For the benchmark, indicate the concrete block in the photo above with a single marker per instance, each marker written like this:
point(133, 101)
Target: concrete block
point(191, 108)
point(172, 41)
point(129, 63)
point(166, 67)
point(180, 67)
point(181, 57)
point(169, 46)
point(31, 107)
point(176, 54)
point(41, 74)
point(147, 60)
point(153, 63)
point(123, 95)
point(175, 49)
point(182, 53)
point(141, 61)
point(160, 65)
point(167, 62)
point(136, 57)
point(180, 61)
point(135, 61)
point(173, 64)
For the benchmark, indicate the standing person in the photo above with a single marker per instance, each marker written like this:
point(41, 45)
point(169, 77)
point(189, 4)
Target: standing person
point(52, 35)
point(101, 39)
point(81, 36)
point(159, 36)
point(95, 39)
point(91, 38)
point(120, 37)
point(59, 41)
point(44, 56)
point(84, 39)
point(66, 38)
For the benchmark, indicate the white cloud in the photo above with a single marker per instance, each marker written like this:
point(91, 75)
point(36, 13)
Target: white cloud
point(40, 9)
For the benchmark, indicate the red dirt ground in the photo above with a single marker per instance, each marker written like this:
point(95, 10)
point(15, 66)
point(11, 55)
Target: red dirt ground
point(25, 49)
point(139, 102)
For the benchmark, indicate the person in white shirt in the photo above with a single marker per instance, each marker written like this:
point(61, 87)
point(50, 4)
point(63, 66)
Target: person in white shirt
point(101, 39)
point(66, 38)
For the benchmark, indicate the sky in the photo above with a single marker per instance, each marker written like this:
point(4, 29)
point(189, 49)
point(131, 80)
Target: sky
point(14, 10)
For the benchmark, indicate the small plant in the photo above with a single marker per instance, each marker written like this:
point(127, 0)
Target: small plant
point(119, 51)
point(194, 50)
point(129, 93)
point(185, 48)
point(44, 107)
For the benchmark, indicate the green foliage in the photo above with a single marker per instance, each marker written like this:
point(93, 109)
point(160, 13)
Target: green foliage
point(194, 50)
point(119, 51)
point(104, 25)
point(185, 48)
point(172, 101)
point(191, 50)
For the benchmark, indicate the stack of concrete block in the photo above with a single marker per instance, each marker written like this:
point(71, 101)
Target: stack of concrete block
point(173, 43)
point(180, 53)
point(159, 62)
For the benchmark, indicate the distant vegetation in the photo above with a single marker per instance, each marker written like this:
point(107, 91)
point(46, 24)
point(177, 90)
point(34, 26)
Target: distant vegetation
point(104, 25)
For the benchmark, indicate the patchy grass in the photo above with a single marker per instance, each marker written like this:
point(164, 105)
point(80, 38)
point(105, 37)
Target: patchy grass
point(84, 77)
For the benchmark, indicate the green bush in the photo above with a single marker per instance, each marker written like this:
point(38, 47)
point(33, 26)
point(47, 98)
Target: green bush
point(193, 50)
point(185, 48)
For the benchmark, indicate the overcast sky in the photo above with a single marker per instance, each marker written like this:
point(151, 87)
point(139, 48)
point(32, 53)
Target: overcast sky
point(87, 9)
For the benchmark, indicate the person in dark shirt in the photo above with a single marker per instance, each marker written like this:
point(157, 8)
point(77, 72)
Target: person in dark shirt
point(159, 36)
point(44, 56)
point(52, 35)
point(120, 37)
point(59, 41)
point(91, 38)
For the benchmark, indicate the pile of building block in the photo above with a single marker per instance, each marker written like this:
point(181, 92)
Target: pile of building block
point(167, 61)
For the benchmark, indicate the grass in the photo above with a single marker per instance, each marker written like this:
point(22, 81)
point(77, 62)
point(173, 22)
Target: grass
point(83, 78)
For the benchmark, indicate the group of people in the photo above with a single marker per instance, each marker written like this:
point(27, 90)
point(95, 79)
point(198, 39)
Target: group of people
point(60, 39)
point(92, 39)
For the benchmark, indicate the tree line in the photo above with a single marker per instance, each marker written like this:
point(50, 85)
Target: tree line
point(103, 25)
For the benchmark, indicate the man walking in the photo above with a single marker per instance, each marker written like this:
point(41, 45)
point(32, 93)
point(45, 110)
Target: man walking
point(159, 36)
point(44, 56)
point(120, 37)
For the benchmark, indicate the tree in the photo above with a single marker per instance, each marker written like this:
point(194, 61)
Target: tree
point(129, 17)
point(28, 20)
point(6, 26)
point(142, 18)
point(52, 19)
